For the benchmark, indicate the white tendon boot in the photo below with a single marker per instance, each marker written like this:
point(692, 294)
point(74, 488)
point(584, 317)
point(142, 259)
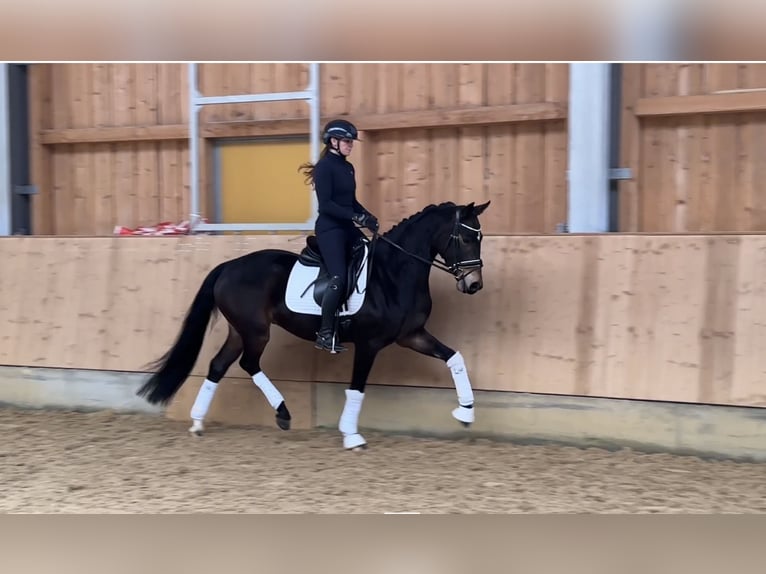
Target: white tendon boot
point(464, 412)
point(201, 405)
point(349, 419)
point(271, 393)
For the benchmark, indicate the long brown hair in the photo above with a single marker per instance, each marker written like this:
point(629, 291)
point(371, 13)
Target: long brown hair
point(308, 168)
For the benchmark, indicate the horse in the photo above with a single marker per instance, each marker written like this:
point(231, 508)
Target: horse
point(253, 292)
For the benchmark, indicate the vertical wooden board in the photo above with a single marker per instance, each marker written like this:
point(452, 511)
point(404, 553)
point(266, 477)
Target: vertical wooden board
point(363, 88)
point(754, 142)
point(333, 90)
point(651, 176)
point(668, 174)
point(171, 186)
point(77, 207)
point(61, 85)
point(652, 159)
point(530, 152)
point(282, 84)
point(472, 139)
point(362, 99)
point(631, 138)
point(727, 205)
point(36, 332)
point(94, 318)
point(178, 275)
point(416, 145)
point(125, 167)
point(445, 164)
point(61, 178)
point(689, 133)
point(16, 269)
point(749, 363)
point(170, 164)
point(387, 148)
point(98, 180)
point(40, 157)
point(147, 154)
point(500, 148)
point(211, 81)
point(680, 290)
point(642, 317)
point(62, 313)
point(555, 163)
point(717, 345)
point(611, 329)
point(544, 312)
point(236, 81)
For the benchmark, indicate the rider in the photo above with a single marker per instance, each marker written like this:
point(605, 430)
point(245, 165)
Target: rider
point(334, 182)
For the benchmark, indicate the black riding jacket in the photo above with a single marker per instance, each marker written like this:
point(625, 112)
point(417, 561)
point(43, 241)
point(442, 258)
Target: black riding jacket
point(335, 184)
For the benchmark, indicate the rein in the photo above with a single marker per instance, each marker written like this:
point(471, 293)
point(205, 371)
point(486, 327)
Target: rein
point(454, 269)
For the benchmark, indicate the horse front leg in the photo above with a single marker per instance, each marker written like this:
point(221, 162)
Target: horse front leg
point(425, 343)
point(364, 357)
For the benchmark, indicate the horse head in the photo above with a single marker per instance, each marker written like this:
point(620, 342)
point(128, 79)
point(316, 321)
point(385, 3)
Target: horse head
point(458, 242)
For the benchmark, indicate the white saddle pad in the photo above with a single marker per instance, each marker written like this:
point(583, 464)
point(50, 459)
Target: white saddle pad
point(301, 277)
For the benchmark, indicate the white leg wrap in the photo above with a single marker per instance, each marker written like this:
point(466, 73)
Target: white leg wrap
point(460, 377)
point(350, 415)
point(204, 398)
point(272, 394)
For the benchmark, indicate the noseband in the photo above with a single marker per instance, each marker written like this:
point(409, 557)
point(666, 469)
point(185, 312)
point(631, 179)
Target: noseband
point(461, 268)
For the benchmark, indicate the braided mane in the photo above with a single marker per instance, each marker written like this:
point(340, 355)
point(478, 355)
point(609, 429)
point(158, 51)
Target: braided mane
point(395, 233)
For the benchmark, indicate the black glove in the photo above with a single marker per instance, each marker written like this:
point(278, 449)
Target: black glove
point(366, 220)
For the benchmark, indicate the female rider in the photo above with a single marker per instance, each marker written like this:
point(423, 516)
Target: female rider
point(334, 182)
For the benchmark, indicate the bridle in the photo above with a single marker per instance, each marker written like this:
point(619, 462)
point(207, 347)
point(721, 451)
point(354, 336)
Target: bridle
point(460, 269)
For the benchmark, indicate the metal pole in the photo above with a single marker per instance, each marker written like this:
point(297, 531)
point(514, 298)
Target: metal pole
point(589, 148)
point(314, 128)
point(5, 155)
point(194, 143)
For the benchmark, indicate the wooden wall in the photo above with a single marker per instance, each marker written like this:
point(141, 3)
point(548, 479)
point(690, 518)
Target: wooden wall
point(695, 135)
point(675, 318)
point(110, 147)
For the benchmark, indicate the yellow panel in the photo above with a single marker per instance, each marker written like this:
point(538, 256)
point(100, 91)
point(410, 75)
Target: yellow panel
point(260, 182)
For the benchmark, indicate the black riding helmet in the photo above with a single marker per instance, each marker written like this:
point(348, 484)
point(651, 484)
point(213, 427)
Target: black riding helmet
point(339, 129)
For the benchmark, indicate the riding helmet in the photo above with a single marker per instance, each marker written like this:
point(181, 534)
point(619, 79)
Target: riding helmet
point(339, 129)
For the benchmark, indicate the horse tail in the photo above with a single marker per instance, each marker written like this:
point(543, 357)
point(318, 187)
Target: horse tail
point(176, 364)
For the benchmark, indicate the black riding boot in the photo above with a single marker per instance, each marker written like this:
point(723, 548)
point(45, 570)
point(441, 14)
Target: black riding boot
point(330, 303)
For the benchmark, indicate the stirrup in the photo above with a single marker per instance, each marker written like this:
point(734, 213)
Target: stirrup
point(325, 343)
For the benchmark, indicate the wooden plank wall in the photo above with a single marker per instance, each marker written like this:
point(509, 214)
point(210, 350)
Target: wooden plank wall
point(109, 143)
point(695, 136)
point(673, 318)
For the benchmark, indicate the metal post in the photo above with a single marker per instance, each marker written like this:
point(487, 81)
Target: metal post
point(314, 113)
point(194, 143)
point(5, 154)
point(196, 101)
point(589, 173)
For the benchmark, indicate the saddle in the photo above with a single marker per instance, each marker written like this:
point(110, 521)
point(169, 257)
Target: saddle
point(310, 256)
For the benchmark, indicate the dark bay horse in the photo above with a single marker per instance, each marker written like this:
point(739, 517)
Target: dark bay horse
point(250, 292)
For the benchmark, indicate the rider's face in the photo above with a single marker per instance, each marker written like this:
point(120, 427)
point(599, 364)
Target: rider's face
point(345, 146)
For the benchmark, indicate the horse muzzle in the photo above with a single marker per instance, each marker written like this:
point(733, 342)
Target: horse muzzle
point(470, 283)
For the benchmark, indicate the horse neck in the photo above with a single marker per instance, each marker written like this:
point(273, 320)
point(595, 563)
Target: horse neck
point(416, 238)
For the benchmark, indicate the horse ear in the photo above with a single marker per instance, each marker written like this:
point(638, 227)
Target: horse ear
point(467, 210)
point(479, 209)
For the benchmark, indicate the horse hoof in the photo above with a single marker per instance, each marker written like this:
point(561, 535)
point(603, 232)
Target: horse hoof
point(284, 424)
point(196, 429)
point(354, 442)
point(465, 424)
point(465, 415)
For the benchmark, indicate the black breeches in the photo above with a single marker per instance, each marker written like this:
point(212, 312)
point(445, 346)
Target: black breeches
point(335, 246)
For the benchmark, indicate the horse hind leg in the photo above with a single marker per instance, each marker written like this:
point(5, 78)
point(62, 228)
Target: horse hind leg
point(254, 344)
point(219, 364)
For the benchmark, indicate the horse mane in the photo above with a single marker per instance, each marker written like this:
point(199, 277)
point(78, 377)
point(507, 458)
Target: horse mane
point(395, 233)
